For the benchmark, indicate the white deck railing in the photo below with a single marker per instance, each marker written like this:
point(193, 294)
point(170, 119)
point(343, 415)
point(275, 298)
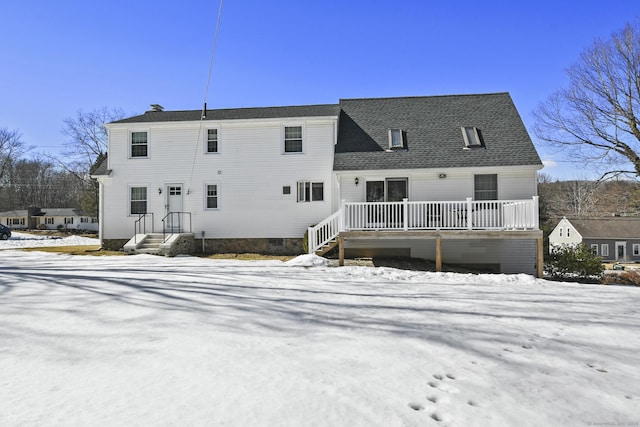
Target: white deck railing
point(406, 216)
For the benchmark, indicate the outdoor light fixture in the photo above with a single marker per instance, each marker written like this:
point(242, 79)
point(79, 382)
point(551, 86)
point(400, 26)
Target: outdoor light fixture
point(356, 180)
point(159, 190)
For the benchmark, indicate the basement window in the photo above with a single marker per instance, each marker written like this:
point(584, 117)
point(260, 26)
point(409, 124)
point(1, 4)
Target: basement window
point(472, 137)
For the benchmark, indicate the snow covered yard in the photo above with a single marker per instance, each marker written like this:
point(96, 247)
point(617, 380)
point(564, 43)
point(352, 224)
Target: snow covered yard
point(145, 340)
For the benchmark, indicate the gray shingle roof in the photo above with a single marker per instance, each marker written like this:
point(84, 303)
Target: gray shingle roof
point(320, 110)
point(607, 228)
point(432, 126)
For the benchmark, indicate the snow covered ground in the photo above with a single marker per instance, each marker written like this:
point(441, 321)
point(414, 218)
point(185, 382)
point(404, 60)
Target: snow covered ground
point(152, 341)
point(27, 240)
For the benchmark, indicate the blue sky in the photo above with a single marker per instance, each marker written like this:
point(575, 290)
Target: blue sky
point(61, 57)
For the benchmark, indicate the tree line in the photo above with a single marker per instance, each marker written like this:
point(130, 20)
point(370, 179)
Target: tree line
point(62, 181)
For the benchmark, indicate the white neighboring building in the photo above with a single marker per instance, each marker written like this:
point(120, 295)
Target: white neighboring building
point(449, 178)
point(49, 218)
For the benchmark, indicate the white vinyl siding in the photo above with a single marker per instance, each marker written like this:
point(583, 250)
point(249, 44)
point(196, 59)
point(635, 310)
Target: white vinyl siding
point(250, 172)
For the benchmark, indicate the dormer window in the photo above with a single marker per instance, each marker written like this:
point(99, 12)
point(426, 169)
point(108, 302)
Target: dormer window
point(396, 138)
point(472, 137)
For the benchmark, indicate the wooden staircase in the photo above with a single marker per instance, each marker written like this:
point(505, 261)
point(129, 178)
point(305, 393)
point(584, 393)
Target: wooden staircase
point(326, 248)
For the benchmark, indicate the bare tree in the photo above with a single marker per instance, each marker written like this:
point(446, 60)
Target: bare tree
point(596, 116)
point(87, 147)
point(11, 148)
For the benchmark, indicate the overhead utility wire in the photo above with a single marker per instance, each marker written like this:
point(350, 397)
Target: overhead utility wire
point(203, 115)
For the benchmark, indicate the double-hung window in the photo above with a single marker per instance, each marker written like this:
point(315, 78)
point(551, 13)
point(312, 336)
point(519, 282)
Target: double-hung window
point(594, 248)
point(68, 220)
point(485, 187)
point(138, 200)
point(604, 249)
point(636, 249)
point(310, 191)
point(293, 139)
point(49, 220)
point(212, 196)
point(139, 144)
point(212, 140)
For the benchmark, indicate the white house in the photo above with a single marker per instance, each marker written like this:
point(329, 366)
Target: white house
point(612, 238)
point(448, 178)
point(49, 218)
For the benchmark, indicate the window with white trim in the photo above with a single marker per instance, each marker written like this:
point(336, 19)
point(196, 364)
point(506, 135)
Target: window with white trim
point(594, 248)
point(636, 249)
point(485, 187)
point(212, 140)
point(83, 219)
point(138, 200)
point(212, 196)
point(568, 231)
point(560, 232)
point(139, 144)
point(472, 136)
point(68, 220)
point(396, 138)
point(49, 220)
point(293, 139)
point(310, 191)
point(604, 249)
point(15, 221)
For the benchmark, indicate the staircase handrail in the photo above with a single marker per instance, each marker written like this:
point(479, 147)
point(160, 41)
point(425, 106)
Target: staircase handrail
point(325, 231)
point(140, 225)
point(172, 231)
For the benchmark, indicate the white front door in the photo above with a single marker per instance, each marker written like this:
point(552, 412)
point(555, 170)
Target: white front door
point(174, 206)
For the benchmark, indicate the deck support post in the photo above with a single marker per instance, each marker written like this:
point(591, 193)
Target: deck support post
point(438, 254)
point(539, 258)
point(340, 251)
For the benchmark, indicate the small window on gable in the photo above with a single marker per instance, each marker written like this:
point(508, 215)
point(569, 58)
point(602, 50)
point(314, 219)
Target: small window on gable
point(396, 138)
point(472, 137)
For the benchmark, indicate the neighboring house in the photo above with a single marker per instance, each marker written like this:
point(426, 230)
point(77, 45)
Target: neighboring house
point(49, 218)
point(447, 178)
point(20, 219)
point(612, 238)
point(66, 218)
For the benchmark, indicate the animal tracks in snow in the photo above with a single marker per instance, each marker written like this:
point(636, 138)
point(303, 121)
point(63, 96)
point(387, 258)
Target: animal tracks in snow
point(443, 390)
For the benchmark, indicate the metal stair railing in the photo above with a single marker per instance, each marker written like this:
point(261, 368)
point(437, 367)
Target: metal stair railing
point(140, 225)
point(173, 223)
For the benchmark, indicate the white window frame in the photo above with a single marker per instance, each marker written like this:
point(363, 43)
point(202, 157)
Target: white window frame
point(304, 191)
point(206, 140)
point(560, 232)
point(635, 249)
point(68, 220)
point(400, 136)
point(568, 232)
point(49, 220)
point(130, 143)
point(284, 139)
point(146, 200)
point(604, 249)
point(206, 196)
point(473, 140)
point(594, 248)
